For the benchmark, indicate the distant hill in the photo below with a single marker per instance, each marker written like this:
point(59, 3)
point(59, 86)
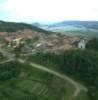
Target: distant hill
point(40, 25)
point(13, 27)
point(87, 24)
point(36, 24)
point(84, 28)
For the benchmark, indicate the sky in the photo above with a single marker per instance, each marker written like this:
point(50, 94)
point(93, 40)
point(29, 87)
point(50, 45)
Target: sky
point(48, 11)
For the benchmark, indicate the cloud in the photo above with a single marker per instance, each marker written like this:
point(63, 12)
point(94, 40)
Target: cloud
point(51, 10)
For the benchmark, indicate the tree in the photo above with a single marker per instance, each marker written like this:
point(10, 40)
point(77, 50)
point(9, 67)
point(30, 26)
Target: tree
point(93, 44)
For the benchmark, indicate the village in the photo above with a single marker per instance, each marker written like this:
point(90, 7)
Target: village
point(31, 42)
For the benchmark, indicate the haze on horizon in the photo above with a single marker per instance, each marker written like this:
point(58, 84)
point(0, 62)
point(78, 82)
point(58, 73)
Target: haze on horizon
point(48, 11)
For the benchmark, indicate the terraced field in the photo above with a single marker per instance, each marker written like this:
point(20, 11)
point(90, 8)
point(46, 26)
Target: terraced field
point(33, 84)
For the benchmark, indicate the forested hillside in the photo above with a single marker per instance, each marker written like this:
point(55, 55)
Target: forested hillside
point(13, 27)
point(82, 65)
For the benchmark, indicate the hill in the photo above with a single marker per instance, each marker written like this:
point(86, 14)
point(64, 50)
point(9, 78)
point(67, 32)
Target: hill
point(22, 79)
point(37, 66)
point(13, 27)
point(82, 28)
point(87, 24)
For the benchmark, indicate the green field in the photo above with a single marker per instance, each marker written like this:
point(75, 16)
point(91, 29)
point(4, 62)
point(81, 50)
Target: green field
point(84, 33)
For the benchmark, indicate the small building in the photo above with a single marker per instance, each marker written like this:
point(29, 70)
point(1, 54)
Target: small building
point(17, 40)
point(82, 44)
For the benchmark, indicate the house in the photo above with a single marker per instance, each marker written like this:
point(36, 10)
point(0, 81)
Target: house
point(17, 40)
point(82, 44)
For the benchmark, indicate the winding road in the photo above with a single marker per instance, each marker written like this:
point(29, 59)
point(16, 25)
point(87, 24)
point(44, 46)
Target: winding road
point(78, 87)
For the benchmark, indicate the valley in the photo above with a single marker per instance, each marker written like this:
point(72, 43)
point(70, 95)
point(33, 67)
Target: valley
point(36, 64)
point(74, 28)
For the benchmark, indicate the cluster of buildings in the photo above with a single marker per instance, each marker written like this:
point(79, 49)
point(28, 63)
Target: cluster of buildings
point(42, 42)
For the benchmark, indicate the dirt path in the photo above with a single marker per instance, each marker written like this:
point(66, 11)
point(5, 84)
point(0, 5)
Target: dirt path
point(6, 61)
point(77, 86)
